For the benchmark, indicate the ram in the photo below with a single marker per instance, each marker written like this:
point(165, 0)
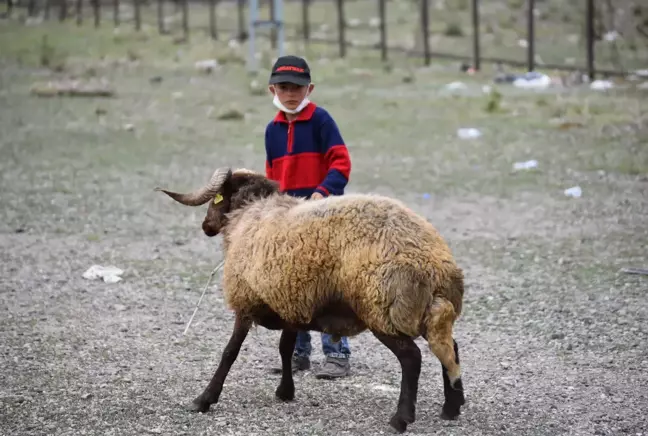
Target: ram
point(340, 265)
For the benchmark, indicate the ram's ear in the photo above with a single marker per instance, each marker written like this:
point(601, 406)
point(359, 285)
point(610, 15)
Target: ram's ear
point(219, 206)
point(227, 188)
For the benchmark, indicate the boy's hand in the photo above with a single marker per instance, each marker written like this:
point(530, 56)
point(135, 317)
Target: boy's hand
point(316, 196)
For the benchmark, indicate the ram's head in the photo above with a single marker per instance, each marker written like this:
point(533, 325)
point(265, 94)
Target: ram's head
point(226, 191)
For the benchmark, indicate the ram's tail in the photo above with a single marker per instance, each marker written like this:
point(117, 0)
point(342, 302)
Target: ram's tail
point(409, 294)
point(438, 332)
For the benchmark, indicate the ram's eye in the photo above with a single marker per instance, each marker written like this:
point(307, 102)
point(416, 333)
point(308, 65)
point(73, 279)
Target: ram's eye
point(218, 198)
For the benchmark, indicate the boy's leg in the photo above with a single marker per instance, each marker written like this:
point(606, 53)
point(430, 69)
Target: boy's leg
point(303, 344)
point(336, 363)
point(301, 355)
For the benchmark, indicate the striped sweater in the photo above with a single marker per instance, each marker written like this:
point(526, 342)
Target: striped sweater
point(308, 154)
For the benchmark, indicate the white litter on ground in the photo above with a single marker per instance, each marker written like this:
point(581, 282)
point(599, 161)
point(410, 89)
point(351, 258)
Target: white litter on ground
point(377, 387)
point(454, 86)
point(468, 133)
point(384, 388)
point(207, 65)
point(525, 165)
point(109, 274)
point(575, 192)
point(601, 85)
point(533, 81)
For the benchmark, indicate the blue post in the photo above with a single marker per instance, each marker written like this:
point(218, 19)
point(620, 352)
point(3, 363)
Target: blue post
point(276, 21)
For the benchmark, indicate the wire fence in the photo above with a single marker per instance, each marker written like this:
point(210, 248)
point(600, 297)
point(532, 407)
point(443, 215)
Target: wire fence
point(589, 28)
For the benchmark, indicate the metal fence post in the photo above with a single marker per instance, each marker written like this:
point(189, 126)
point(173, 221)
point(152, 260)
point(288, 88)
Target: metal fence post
point(212, 19)
point(475, 20)
point(382, 13)
point(425, 27)
point(531, 36)
point(590, 38)
point(341, 28)
point(305, 20)
point(116, 12)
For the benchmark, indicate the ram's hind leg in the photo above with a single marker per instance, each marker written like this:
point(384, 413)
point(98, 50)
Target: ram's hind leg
point(409, 356)
point(213, 390)
point(444, 347)
point(286, 389)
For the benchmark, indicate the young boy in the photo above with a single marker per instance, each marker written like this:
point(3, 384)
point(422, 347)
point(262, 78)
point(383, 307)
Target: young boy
point(306, 154)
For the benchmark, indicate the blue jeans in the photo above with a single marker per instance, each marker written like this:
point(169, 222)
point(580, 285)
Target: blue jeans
point(329, 348)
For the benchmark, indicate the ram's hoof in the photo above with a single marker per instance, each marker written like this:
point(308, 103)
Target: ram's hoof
point(397, 425)
point(408, 417)
point(284, 393)
point(449, 413)
point(199, 406)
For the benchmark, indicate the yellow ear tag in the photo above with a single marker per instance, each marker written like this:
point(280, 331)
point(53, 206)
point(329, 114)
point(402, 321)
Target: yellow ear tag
point(218, 198)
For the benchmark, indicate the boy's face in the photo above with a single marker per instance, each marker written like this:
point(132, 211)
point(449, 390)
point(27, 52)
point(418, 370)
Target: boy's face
point(290, 95)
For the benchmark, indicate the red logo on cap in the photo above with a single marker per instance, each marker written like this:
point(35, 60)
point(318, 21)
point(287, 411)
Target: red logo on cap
point(290, 68)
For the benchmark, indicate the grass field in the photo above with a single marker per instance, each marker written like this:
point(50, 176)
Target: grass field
point(553, 338)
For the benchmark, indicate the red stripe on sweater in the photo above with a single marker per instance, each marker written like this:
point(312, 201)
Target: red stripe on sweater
point(337, 158)
point(303, 170)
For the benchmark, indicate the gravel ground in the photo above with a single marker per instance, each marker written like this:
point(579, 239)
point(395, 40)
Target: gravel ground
point(553, 339)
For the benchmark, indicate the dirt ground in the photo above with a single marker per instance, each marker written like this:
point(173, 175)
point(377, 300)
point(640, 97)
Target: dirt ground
point(553, 339)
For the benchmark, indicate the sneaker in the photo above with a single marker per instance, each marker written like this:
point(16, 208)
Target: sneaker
point(334, 367)
point(299, 363)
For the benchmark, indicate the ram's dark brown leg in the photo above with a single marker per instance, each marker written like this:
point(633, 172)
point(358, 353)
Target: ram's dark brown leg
point(286, 389)
point(442, 344)
point(409, 356)
point(453, 393)
point(213, 390)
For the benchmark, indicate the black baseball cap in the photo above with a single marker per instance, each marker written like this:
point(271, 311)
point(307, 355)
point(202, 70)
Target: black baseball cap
point(292, 69)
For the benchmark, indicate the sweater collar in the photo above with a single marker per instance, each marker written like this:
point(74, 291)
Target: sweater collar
point(305, 115)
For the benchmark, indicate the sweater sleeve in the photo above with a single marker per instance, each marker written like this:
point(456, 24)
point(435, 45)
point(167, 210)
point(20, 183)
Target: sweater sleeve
point(268, 161)
point(336, 156)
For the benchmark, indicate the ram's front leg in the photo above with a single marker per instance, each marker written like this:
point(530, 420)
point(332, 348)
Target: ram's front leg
point(213, 390)
point(286, 389)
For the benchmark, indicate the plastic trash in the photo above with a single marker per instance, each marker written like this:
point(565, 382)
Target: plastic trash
point(426, 196)
point(374, 22)
point(575, 192)
point(525, 165)
point(601, 85)
point(468, 133)
point(109, 274)
point(207, 65)
point(532, 80)
point(453, 86)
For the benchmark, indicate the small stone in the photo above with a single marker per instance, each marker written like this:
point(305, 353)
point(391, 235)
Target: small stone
point(230, 114)
point(558, 336)
point(86, 396)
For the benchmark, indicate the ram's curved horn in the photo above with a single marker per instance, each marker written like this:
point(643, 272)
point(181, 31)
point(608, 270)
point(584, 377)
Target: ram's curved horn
point(243, 171)
point(204, 194)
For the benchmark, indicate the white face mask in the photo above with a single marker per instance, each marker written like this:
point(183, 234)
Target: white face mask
point(283, 108)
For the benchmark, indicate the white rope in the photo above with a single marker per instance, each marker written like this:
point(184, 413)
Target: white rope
point(219, 266)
